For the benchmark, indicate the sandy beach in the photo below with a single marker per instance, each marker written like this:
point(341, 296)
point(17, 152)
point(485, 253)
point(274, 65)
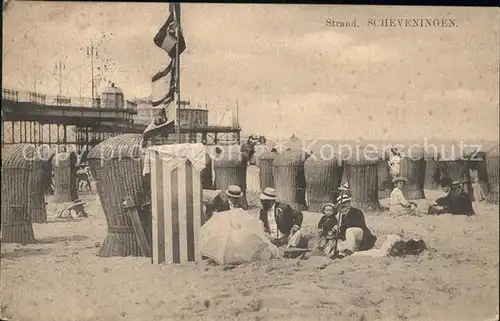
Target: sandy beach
point(61, 278)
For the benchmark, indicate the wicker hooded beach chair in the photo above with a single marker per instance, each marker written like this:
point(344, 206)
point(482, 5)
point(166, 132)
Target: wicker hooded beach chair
point(361, 172)
point(492, 164)
point(116, 165)
point(323, 177)
point(37, 195)
point(64, 167)
point(17, 185)
point(412, 167)
point(266, 160)
point(289, 178)
point(457, 170)
point(231, 169)
point(384, 177)
point(431, 180)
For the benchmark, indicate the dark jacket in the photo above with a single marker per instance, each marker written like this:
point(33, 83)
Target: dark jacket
point(224, 206)
point(326, 224)
point(284, 221)
point(459, 204)
point(355, 218)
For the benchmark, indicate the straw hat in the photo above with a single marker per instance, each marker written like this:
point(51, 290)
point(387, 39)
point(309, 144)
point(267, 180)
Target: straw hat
point(269, 193)
point(400, 179)
point(343, 199)
point(234, 191)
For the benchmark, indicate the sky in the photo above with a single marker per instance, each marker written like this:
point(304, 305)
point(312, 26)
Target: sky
point(287, 70)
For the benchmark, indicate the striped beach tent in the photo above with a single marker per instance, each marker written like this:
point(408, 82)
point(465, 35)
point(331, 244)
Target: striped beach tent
point(176, 201)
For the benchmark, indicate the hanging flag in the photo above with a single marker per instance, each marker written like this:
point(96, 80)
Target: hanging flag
point(161, 120)
point(166, 37)
point(163, 85)
point(162, 100)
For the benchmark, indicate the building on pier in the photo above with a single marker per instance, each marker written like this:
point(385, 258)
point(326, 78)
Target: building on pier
point(194, 126)
point(40, 119)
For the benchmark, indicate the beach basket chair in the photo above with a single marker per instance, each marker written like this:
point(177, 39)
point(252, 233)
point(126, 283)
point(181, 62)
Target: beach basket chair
point(64, 167)
point(384, 177)
point(231, 169)
point(117, 165)
point(361, 173)
point(323, 177)
point(17, 185)
point(266, 169)
point(37, 206)
point(457, 170)
point(492, 164)
point(412, 166)
point(289, 178)
point(431, 180)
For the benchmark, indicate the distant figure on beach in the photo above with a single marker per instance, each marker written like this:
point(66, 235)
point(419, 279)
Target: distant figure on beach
point(398, 204)
point(234, 194)
point(83, 178)
point(394, 160)
point(456, 201)
point(281, 222)
point(248, 149)
point(476, 186)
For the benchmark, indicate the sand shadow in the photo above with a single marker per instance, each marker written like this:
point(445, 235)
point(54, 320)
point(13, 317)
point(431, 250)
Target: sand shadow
point(56, 239)
point(19, 253)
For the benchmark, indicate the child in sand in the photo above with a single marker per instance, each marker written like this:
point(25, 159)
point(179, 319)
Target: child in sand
point(326, 227)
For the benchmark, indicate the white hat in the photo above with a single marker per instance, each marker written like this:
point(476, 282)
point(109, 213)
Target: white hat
point(343, 199)
point(269, 193)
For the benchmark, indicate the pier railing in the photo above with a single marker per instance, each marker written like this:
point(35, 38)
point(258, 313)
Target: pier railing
point(66, 101)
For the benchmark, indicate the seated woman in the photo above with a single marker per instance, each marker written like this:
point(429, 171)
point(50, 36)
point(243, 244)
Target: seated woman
point(399, 205)
point(455, 201)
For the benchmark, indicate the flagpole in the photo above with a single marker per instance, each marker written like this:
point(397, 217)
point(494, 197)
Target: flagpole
point(177, 73)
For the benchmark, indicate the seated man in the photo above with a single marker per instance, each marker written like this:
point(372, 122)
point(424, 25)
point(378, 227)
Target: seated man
point(353, 234)
point(281, 222)
point(234, 195)
point(456, 201)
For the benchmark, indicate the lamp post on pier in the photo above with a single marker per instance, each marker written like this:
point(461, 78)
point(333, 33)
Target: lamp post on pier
point(92, 53)
point(58, 70)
